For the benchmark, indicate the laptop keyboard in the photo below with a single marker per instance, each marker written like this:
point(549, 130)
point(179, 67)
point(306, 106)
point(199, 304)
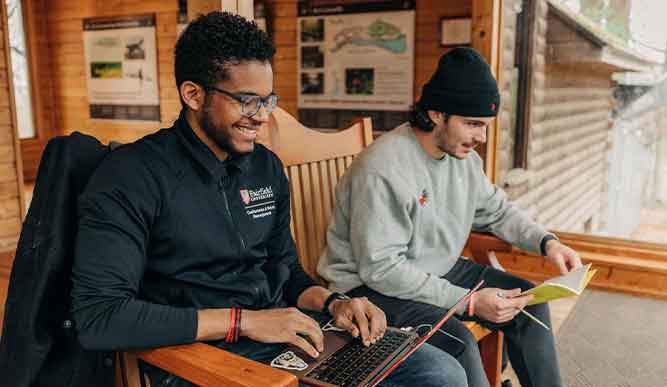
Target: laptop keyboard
point(353, 363)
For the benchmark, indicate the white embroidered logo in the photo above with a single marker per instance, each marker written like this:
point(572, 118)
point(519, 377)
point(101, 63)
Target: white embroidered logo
point(260, 194)
point(258, 202)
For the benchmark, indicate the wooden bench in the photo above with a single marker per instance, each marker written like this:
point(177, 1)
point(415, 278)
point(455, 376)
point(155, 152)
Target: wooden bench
point(314, 162)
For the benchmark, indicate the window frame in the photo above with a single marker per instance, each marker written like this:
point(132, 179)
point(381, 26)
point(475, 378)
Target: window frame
point(41, 90)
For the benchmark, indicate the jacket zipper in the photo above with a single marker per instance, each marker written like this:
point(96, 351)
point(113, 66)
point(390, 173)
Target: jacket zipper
point(229, 212)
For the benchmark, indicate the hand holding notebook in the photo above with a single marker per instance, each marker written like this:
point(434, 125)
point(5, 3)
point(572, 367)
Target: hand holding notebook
point(570, 284)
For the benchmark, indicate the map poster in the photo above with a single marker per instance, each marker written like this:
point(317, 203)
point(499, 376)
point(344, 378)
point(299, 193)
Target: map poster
point(356, 60)
point(121, 68)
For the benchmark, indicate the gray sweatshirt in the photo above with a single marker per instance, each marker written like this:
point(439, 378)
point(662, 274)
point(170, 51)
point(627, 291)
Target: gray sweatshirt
point(402, 219)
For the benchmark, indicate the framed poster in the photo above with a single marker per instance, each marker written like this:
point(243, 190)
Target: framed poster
point(354, 59)
point(121, 68)
point(455, 31)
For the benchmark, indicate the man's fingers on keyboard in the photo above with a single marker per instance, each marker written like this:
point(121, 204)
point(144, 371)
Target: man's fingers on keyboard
point(362, 323)
point(378, 322)
point(310, 328)
point(304, 345)
point(345, 323)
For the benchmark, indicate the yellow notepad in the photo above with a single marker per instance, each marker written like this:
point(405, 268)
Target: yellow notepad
point(570, 284)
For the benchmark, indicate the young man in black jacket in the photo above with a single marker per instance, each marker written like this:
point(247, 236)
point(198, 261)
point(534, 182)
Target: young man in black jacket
point(184, 235)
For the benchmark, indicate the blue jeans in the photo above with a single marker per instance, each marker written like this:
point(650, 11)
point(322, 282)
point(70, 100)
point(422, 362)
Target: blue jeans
point(428, 366)
point(531, 348)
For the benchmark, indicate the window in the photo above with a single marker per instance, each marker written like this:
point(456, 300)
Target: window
point(20, 70)
point(589, 151)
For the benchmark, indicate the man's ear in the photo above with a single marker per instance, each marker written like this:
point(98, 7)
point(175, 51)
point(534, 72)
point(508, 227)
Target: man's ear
point(193, 95)
point(436, 116)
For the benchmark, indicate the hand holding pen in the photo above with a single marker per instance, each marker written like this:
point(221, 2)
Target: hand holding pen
point(499, 305)
point(501, 294)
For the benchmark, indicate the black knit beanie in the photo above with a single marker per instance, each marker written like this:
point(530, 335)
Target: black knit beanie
point(462, 85)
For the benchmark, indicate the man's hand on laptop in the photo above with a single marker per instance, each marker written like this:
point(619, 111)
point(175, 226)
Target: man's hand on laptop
point(285, 325)
point(359, 317)
point(499, 305)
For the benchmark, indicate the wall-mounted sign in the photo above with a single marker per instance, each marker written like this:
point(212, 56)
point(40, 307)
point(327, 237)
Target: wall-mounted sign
point(356, 60)
point(455, 31)
point(121, 68)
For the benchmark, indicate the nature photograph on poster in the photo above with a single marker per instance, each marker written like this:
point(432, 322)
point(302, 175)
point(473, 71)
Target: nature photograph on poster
point(121, 66)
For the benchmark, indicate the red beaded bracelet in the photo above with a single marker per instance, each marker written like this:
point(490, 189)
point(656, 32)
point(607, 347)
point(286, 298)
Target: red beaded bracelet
point(237, 327)
point(232, 326)
point(471, 305)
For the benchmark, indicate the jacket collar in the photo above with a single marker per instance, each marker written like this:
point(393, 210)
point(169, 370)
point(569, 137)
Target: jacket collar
point(204, 155)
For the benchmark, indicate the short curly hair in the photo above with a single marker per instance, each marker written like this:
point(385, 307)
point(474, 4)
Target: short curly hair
point(213, 42)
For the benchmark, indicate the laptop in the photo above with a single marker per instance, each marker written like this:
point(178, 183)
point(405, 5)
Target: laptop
point(346, 362)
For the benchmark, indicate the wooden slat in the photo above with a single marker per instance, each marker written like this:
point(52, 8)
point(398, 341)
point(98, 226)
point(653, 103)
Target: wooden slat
point(297, 211)
point(327, 202)
point(340, 165)
point(309, 223)
point(333, 179)
point(317, 209)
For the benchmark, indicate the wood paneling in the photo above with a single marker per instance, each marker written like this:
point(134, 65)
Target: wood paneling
point(282, 27)
point(12, 207)
point(486, 27)
point(6, 259)
point(427, 37)
point(64, 34)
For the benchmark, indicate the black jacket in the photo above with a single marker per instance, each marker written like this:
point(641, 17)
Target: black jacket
point(38, 346)
point(166, 228)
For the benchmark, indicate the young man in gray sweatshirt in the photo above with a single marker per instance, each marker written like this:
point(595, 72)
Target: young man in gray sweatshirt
point(404, 211)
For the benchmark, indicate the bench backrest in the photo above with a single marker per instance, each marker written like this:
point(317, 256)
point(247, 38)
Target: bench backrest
point(314, 162)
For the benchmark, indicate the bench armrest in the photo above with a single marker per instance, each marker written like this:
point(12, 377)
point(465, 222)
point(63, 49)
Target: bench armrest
point(484, 245)
point(208, 366)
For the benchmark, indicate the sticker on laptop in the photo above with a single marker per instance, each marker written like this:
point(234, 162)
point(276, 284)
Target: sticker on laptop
point(289, 361)
point(329, 326)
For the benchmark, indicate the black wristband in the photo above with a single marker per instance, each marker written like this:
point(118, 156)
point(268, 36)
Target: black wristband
point(543, 243)
point(334, 296)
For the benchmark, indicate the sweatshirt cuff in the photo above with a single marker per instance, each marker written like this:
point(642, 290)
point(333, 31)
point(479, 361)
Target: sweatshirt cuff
point(543, 243)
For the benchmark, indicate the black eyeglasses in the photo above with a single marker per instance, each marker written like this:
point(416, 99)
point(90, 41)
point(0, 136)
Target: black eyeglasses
point(250, 104)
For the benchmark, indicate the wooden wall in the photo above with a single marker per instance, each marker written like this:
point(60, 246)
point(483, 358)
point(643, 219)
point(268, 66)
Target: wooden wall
point(282, 26)
point(65, 36)
point(283, 19)
point(427, 35)
point(58, 28)
point(12, 207)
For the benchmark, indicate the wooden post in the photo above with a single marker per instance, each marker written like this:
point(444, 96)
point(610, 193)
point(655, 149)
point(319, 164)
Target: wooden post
point(486, 27)
point(491, 348)
point(244, 8)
